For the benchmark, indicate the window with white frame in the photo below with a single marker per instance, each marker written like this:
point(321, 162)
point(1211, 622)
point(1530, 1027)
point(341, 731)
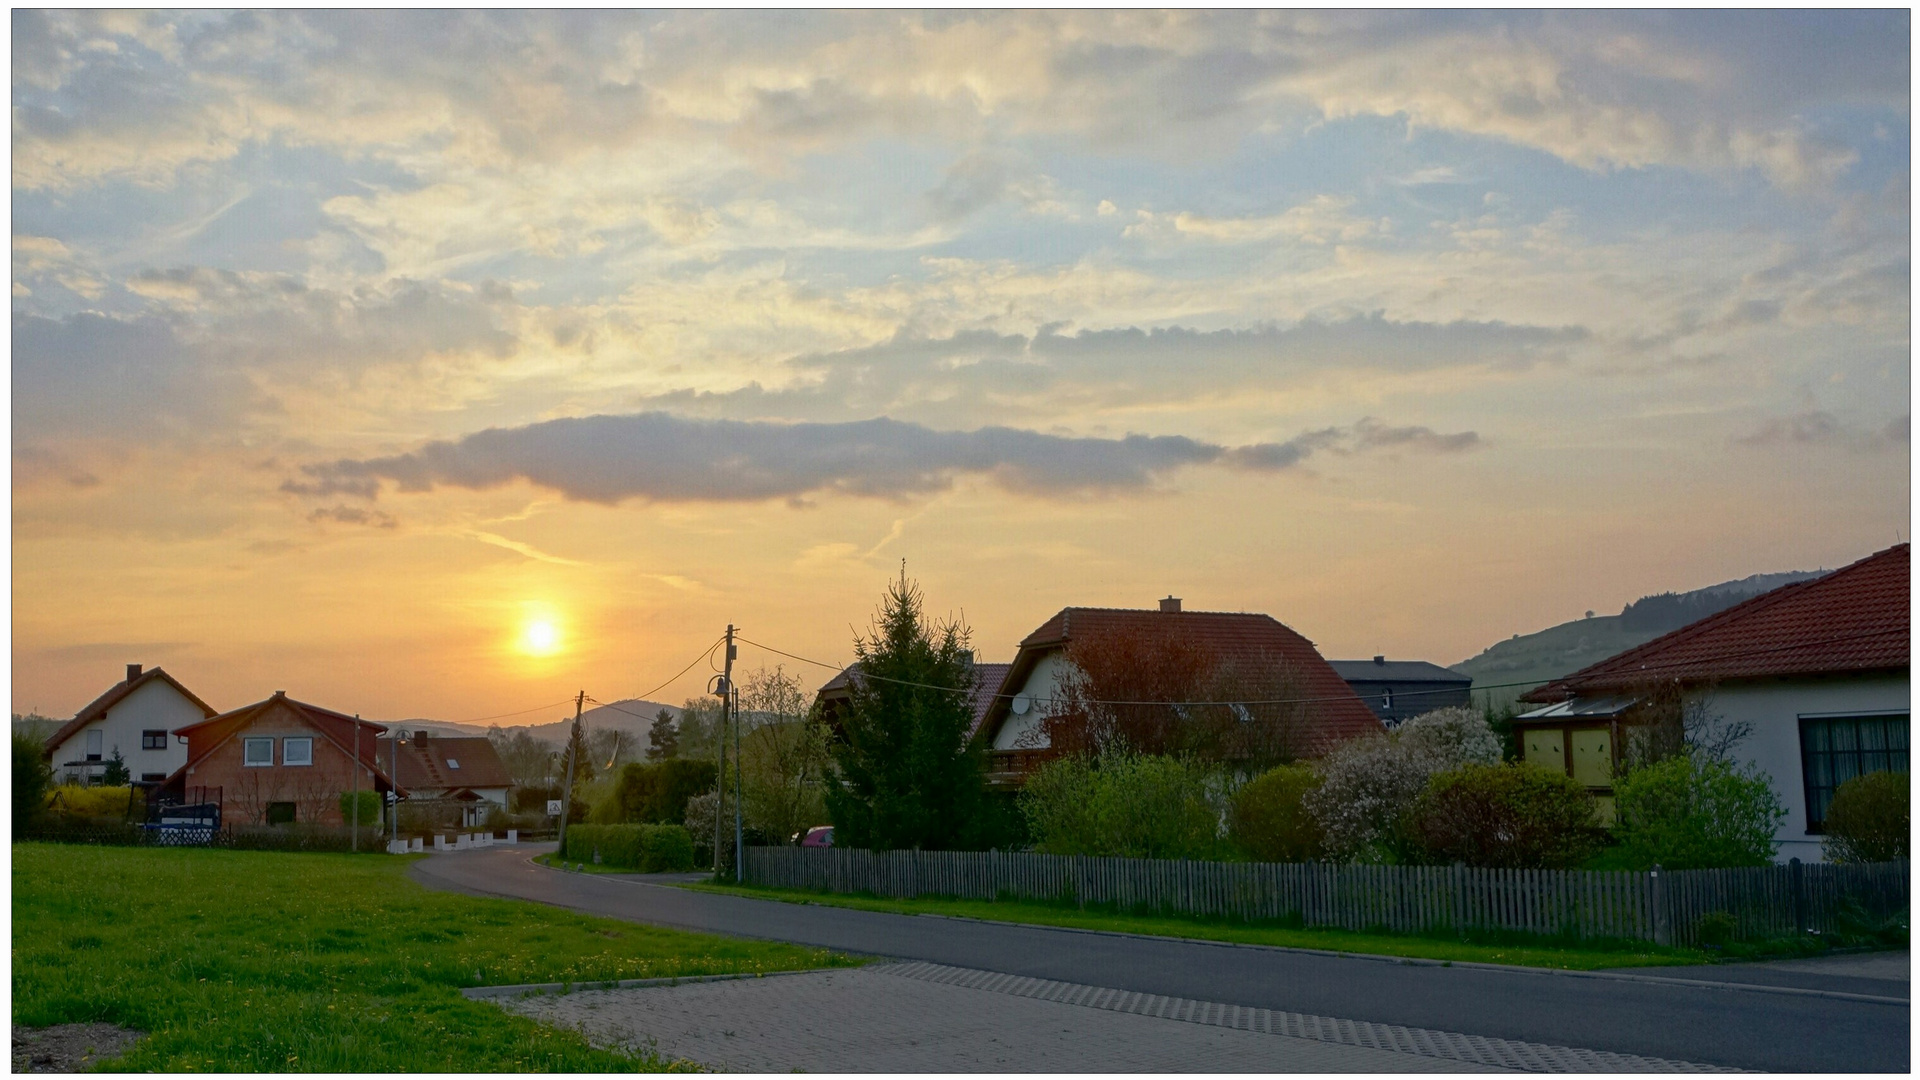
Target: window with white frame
point(258, 752)
point(95, 740)
point(1835, 749)
point(296, 752)
point(153, 740)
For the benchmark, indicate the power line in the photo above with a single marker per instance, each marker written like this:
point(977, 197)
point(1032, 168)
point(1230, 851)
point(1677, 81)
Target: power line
point(504, 715)
point(1315, 700)
point(676, 675)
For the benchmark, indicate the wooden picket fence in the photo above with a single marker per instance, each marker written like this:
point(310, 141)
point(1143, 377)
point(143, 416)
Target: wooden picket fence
point(1663, 907)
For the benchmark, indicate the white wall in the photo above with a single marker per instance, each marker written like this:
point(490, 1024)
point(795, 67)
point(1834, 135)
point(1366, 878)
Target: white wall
point(156, 705)
point(1042, 686)
point(1774, 708)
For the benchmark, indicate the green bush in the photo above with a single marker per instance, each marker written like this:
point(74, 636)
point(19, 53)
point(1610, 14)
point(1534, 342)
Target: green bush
point(1137, 807)
point(1867, 820)
point(1269, 820)
point(657, 792)
point(1514, 816)
point(650, 849)
point(32, 779)
point(370, 806)
point(1717, 929)
point(1692, 812)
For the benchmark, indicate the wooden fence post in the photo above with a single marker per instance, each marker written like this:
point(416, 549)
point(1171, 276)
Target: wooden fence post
point(1662, 925)
point(1797, 876)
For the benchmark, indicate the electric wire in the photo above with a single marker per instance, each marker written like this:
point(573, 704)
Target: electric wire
point(504, 715)
point(1313, 700)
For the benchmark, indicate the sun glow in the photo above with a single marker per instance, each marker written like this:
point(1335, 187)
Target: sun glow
point(540, 637)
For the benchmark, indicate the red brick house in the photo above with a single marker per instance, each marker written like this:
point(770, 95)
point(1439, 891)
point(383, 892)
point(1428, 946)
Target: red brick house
point(1314, 702)
point(278, 761)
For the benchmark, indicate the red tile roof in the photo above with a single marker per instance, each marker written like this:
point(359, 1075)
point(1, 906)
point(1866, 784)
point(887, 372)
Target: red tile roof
point(1855, 619)
point(98, 707)
point(338, 728)
point(1335, 712)
point(427, 764)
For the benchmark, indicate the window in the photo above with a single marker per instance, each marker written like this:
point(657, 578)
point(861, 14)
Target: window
point(1386, 700)
point(153, 740)
point(1835, 749)
point(259, 752)
point(296, 752)
point(453, 763)
point(152, 777)
point(279, 813)
point(94, 739)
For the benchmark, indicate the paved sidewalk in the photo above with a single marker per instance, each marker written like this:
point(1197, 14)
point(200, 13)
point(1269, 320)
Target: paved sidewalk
point(919, 1017)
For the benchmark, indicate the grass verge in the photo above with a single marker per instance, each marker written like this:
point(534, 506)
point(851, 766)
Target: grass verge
point(1484, 948)
point(238, 961)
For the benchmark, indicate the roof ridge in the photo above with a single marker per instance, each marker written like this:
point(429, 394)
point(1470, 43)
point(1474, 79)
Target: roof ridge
point(1743, 609)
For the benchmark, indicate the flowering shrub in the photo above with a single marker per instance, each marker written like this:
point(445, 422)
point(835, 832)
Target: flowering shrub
point(1371, 782)
point(1510, 815)
point(1867, 821)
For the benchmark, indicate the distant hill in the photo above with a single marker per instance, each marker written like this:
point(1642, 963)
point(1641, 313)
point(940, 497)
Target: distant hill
point(633, 716)
point(1533, 659)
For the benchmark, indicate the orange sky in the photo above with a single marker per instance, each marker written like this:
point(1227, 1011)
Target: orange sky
point(1282, 313)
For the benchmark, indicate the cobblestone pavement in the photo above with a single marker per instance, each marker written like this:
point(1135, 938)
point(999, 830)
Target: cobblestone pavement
point(920, 1017)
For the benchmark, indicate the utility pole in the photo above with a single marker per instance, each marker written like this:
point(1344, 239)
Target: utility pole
point(393, 782)
point(355, 842)
point(720, 787)
point(739, 846)
point(566, 793)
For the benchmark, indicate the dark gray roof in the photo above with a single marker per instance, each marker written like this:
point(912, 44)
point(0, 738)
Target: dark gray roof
point(1396, 671)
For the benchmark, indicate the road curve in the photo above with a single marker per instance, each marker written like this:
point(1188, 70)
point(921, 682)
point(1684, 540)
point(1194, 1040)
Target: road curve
point(1710, 1024)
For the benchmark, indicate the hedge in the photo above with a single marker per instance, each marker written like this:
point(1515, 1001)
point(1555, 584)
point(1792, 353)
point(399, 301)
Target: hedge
point(649, 849)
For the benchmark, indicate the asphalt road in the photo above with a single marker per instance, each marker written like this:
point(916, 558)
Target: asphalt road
point(1707, 1020)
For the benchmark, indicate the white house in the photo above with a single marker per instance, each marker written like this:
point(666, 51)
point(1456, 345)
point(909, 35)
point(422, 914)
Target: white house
point(449, 769)
point(1817, 669)
point(1014, 722)
point(136, 718)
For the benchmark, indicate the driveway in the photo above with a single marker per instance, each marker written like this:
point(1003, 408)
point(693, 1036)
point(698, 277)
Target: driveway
point(1780, 1020)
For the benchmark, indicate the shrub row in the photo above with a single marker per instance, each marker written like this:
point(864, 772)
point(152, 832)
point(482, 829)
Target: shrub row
point(650, 849)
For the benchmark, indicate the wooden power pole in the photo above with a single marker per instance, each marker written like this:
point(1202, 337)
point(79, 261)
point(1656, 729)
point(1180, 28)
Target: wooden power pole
point(566, 793)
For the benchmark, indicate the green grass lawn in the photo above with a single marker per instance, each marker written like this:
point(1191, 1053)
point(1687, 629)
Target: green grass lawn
point(1515, 949)
point(240, 961)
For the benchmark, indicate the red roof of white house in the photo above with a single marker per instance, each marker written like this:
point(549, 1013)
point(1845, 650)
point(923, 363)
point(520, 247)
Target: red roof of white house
point(1335, 713)
point(1855, 619)
point(447, 763)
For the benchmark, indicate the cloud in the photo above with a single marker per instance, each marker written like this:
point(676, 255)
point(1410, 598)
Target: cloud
point(666, 458)
point(978, 376)
point(353, 515)
point(1817, 427)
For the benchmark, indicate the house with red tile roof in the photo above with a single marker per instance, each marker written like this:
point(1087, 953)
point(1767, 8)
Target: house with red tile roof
point(279, 761)
point(134, 718)
point(1321, 709)
point(1818, 670)
point(461, 769)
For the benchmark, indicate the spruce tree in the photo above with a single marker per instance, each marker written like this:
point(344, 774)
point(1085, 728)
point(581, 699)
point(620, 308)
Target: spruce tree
point(907, 772)
point(663, 740)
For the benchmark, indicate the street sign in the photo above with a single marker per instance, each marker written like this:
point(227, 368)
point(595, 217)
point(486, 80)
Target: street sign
point(553, 807)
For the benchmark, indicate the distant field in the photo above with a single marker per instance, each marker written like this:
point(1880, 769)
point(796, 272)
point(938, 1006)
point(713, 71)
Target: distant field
point(275, 962)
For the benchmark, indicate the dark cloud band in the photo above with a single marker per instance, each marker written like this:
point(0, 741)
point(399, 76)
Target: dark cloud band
point(662, 457)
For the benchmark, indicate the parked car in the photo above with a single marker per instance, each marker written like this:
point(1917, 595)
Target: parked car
point(818, 836)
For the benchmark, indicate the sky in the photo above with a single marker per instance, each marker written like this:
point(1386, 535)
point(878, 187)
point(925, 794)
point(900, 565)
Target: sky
point(438, 364)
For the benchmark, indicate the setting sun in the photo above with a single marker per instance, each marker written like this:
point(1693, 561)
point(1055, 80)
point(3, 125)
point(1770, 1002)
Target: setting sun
point(540, 638)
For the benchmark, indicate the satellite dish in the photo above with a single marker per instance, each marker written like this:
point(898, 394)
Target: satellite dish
point(1021, 704)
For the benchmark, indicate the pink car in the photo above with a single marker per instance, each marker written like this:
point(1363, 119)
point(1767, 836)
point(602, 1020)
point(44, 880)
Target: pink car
point(818, 836)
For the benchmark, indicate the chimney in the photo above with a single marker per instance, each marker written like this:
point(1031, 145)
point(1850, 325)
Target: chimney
point(1171, 604)
point(279, 693)
point(1381, 660)
point(133, 672)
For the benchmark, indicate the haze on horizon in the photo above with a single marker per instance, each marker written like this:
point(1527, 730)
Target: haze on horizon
point(440, 364)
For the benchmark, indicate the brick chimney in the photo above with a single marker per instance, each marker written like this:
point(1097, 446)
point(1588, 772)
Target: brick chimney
point(1171, 604)
point(133, 672)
